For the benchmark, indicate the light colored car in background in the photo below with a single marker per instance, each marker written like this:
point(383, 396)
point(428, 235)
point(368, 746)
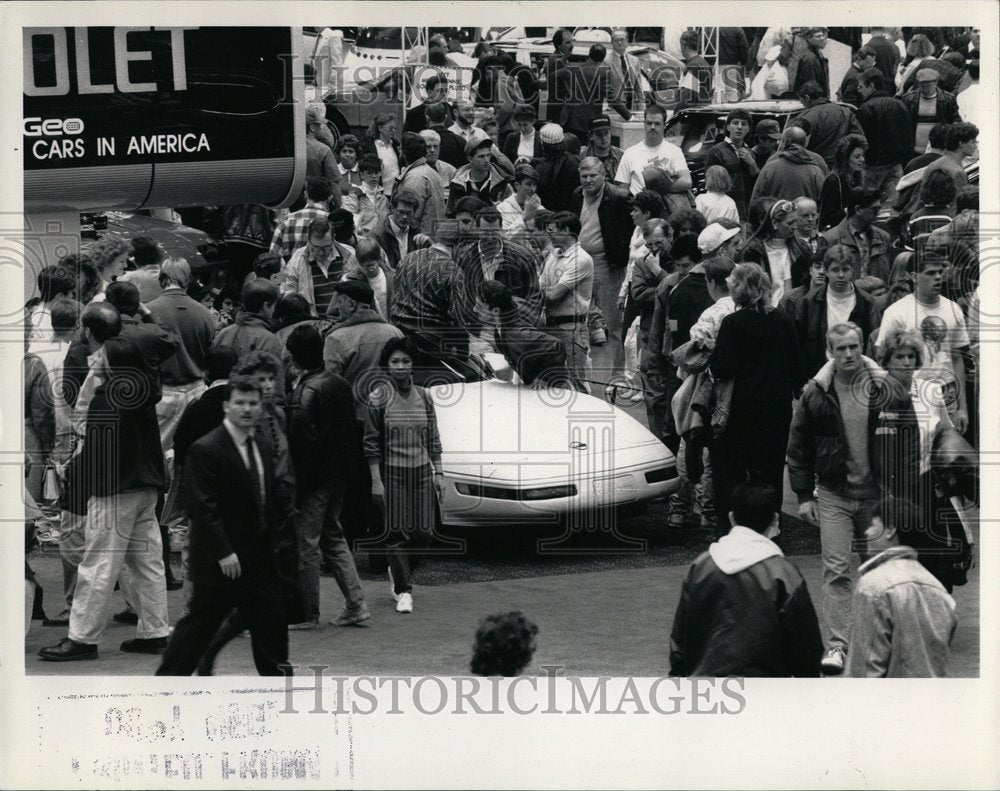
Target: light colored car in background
point(514, 455)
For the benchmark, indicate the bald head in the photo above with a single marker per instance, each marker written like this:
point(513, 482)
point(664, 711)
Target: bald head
point(103, 320)
point(794, 136)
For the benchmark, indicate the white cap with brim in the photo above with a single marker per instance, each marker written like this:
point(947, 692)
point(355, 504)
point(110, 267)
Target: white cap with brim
point(714, 236)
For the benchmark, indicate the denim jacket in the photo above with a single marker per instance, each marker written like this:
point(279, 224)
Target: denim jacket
point(902, 620)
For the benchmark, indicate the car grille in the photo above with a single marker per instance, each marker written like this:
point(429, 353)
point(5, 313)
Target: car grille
point(662, 474)
point(498, 493)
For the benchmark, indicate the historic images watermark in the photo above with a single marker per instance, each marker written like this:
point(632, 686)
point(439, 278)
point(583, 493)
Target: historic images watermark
point(523, 695)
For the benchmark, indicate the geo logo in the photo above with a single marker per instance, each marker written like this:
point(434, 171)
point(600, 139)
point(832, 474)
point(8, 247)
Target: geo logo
point(52, 127)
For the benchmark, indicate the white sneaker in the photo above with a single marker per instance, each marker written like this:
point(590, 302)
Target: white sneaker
point(404, 603)
point(392, 584)
point(833, 661)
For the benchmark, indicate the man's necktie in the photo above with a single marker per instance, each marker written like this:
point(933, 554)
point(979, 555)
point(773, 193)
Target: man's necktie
point(627, 83)
point(255, 472)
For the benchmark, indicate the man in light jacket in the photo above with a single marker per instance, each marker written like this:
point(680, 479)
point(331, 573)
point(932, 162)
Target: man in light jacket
point(904, 620)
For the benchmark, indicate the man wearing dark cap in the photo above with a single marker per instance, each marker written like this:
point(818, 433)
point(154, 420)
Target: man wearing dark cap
point(929, 105)
point(599, 146)
point(518, 209)
point(353, 345)
point(768, 135)
point(736, 157)
point(480, 177)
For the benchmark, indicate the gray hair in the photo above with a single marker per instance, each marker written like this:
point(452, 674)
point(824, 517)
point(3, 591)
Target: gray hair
point(176, 271)
point(591, 162)
point(430, 136)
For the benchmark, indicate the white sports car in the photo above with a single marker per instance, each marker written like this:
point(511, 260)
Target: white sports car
point(516, 455)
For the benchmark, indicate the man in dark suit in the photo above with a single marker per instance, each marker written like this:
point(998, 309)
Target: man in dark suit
point(586, 86)
point(231, 499)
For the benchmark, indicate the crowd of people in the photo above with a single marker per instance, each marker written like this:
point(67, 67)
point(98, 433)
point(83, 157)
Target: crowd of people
point(777, 326)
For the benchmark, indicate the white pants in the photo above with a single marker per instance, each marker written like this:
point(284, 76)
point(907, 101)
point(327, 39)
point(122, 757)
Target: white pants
point(121, 530)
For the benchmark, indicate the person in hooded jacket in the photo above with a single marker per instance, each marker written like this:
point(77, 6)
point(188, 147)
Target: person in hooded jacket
point(745, 609)
point(792, 173)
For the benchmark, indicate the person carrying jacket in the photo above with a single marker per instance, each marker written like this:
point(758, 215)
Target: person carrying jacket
point(745, 609)
point(854, 437)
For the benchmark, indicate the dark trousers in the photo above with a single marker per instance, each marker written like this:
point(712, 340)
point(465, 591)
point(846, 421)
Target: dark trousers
point(752, 448)
point(260, 607)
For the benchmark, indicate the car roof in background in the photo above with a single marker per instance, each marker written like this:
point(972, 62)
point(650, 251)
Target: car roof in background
point(764, 106)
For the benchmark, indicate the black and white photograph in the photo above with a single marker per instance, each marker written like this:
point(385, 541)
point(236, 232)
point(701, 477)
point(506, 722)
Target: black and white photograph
point(561, 368)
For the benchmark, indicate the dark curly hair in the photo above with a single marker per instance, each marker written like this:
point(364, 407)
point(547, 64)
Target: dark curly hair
point(937, 189)
point(504, 645)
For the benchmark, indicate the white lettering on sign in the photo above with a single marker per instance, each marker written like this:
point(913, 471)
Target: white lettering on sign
point(52, 127)
point(123, 57)
point(168, 144)
point(64, 148)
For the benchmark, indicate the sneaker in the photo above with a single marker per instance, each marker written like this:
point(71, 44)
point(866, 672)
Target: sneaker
point(677, 520)
point(305, 626)
point(637, 396)
point(148, 645)
point(404, 603)
point(392, 584)
point(352, 616)
point(833, 661)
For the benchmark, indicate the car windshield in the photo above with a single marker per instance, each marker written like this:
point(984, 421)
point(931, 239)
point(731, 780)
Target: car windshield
point(446, 369)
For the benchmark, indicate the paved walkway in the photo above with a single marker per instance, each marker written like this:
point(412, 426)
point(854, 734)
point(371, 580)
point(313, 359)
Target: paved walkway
point(604, 623)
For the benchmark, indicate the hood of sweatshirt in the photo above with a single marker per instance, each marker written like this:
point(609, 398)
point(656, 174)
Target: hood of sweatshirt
point(245, 319)
point(797, 156)
point(742, 548)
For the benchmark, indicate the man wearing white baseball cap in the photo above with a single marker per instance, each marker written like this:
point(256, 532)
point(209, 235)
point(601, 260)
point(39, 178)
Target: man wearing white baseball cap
point(718, 240)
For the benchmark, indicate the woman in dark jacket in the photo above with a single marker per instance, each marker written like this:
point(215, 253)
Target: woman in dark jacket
point(757, 350)
point(849, 173)
point(772, 246)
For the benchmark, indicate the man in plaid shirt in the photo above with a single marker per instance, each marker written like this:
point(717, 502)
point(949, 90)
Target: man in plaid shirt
point(293, 232)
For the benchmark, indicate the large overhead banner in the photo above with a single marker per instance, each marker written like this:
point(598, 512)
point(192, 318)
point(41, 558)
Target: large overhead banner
point(130, 117)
